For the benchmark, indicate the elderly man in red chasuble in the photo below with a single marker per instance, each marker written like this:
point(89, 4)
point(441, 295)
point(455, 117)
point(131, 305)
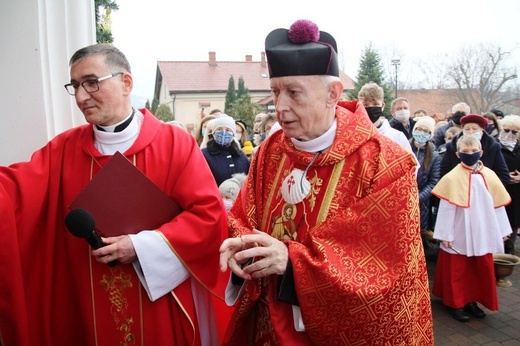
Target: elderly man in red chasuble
point(324, 244)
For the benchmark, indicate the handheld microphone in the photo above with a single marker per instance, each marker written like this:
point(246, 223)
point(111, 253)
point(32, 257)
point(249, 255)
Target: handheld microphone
point(82, 225)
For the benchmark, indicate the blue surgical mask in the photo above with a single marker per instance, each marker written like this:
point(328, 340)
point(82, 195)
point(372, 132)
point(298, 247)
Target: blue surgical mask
point(203, 132)
point(477, 135)
point(223, 138)
point(420, 137)
point(469, 159)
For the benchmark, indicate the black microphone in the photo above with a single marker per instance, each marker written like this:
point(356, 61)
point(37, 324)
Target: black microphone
point(82, 225)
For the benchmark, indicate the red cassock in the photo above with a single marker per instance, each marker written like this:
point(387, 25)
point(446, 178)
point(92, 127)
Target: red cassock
point(354, 243)
point(54, 293)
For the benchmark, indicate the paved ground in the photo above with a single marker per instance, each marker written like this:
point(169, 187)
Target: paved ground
point(497, 328)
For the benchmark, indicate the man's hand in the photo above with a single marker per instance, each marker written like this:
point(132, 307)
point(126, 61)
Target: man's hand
point(118, 248)
point(228, 250)
point(514, 177)
point(271, 255)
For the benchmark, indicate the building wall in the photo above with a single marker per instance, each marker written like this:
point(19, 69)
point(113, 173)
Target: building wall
point(38, 38)
point(187, 107)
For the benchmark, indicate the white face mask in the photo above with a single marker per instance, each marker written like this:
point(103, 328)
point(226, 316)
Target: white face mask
point(508, 144)
point(402, 115)
point(238, 136)
point(228, 204)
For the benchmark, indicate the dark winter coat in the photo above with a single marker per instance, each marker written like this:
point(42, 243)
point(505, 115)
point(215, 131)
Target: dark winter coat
point(225, 161)
point(512, 159)
point(426, 180)
point(492, 157)
point(400, 127)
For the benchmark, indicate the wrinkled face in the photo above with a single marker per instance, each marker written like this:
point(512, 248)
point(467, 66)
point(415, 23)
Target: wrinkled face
point(510, 132)
point(302, 106)
point(471, 128)
point(108, 105)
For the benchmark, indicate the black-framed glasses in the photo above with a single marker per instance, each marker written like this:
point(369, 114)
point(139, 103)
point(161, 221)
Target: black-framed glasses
point(89, 85)
point(515, 132)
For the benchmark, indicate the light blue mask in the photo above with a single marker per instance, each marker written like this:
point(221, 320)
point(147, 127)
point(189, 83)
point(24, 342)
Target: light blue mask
point(420, 137)
point(477, 135)
point(223, 138)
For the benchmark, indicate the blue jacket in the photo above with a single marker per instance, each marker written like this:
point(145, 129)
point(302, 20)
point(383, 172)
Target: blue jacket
point(426, 180)
point(225, 161)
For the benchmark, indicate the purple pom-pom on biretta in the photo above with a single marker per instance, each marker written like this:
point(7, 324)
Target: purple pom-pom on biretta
point(303, 31)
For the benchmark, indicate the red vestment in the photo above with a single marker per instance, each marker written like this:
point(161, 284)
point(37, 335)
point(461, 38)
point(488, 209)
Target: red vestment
point(359, 269)
point(58, 294)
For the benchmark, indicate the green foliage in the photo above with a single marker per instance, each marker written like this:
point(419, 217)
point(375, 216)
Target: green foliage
point(231, 95)
point(102, 9)
point(164, 113)
point(147, 105)
point(243, 108)
point(155, 104)
point(371, 70)
point(242, 90)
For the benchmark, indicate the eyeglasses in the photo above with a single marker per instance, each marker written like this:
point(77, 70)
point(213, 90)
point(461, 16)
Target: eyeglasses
point(90, 85)
point(515, 132)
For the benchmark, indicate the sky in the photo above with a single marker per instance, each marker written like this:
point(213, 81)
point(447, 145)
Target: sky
point(166, 30)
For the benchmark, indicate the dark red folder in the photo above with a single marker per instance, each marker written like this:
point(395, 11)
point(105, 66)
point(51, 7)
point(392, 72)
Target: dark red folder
point(122, 200)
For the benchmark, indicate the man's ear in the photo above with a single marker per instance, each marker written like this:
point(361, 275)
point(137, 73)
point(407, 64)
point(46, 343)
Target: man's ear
point(336, 89)
point(457, 154)
point(383, 106)
point(128, 83)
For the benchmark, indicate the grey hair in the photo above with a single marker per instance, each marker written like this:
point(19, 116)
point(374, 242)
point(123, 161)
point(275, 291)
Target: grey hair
point(114, 58)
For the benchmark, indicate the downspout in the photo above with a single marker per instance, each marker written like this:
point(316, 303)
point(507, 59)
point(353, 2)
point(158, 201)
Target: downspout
point(174, 97)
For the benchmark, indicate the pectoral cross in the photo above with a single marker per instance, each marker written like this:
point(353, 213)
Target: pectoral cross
point(291, 182)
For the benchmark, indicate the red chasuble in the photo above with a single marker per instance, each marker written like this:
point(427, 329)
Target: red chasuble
point(57, 293)
point(354, 243)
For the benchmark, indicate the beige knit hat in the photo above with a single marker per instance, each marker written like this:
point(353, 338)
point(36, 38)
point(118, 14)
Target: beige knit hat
point(230, 187)
point(427, 122)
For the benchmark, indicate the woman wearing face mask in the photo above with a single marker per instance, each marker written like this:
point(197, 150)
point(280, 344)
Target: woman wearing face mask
point(509, 139)
point(241, 134)
point(201, 131)
point(428, 173)
point(475, 124)
point(493, 127)
point(223, 153)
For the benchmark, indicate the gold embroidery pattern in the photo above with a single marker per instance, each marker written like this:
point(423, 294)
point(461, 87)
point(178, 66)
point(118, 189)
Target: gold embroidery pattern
point(372, 255)
point(383, 292)
point(316, 182)
point(329, 204)
point(115, 286)
point(378, 204)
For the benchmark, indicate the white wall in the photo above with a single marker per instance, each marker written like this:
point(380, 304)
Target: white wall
point(38, 37)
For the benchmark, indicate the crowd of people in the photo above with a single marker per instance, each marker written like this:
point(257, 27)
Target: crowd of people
point(307, 229)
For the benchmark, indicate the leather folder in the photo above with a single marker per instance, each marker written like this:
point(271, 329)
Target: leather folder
point(122, 200)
